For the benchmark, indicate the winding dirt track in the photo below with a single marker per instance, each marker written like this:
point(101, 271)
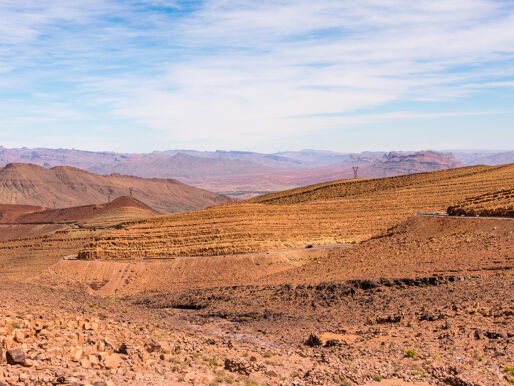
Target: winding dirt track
point(129, 277)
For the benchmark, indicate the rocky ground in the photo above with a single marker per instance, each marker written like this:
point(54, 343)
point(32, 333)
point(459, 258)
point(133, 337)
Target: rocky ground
point(450, 332)
point(83, 340)
point(453, 330)
point(427, 303)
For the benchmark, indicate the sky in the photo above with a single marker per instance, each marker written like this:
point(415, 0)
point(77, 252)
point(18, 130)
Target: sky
point(137, 76)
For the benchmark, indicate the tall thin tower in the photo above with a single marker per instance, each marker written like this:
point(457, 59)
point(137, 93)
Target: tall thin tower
point(355, 168)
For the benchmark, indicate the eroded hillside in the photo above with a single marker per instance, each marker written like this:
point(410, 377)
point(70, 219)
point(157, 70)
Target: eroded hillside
point(332, 213)
point(62, 187)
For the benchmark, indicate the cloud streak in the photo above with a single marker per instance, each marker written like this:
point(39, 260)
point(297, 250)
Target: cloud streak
point(219, 73)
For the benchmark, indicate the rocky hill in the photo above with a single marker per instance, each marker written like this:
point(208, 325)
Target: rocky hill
point(61, 187)
point(394, 163)
point(26, 221)
point(84, 212)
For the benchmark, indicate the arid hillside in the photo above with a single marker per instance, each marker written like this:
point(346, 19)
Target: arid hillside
point(62, 187)
point(336, 212)
point(84, 213)
point(427, 302)
point(10, 213)
point(23, 221)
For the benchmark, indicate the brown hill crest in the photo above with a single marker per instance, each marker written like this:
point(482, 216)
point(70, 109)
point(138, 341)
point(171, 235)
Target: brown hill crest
point(65, 186)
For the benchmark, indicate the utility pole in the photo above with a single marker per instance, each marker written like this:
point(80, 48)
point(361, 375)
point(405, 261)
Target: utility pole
point(355, 168)
point(131, 190)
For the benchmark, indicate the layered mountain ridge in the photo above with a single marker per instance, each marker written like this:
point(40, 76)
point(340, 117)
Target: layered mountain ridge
point(244, 174)
point(65, 186)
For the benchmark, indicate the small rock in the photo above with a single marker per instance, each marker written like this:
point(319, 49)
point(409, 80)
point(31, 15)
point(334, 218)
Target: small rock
point(152, 346)
point(123, 349)
point(19, 336)
point(16, 357)
point(313, 341)
point(112, 361)
point(85, 363)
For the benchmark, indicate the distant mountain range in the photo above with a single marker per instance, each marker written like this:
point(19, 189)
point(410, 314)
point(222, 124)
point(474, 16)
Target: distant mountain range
point(64, 186)
point(244, 174)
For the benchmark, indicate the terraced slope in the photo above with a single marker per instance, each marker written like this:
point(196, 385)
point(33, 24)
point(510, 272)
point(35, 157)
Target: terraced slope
point(23, 258)
point(331, 213)
point(498, 203)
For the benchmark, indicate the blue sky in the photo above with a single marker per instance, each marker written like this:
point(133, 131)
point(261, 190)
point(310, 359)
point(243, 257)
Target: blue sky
point(137, 76)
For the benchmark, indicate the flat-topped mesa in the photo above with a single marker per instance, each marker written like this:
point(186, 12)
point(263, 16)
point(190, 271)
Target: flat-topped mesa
point(423, 161)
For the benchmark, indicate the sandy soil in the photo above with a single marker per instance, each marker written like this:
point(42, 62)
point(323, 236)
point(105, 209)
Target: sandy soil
point(160, 275)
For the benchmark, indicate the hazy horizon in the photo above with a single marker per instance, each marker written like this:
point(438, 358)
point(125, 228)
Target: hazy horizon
point(276, 152)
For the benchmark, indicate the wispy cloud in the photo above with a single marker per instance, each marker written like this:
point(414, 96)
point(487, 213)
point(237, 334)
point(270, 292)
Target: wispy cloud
point(221, 73)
